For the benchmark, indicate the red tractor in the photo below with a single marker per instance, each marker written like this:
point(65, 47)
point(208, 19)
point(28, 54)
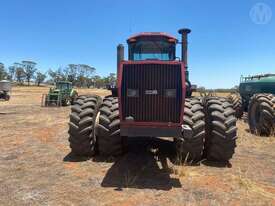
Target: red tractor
point(154, 98)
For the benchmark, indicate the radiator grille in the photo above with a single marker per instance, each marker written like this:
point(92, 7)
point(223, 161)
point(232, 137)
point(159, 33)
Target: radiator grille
point(152, 81)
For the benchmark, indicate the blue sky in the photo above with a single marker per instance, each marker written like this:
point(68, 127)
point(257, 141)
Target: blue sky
point(224, 43)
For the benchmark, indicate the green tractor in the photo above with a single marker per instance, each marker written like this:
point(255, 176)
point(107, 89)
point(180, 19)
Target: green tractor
point(62, 94)
point(257, 98)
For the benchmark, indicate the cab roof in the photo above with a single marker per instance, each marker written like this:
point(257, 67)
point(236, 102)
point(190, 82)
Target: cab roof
point(63, 82)
point(152, 34)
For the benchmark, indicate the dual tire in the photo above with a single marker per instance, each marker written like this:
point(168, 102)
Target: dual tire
point(214, 130)
point(95, 126)
point(261, 114)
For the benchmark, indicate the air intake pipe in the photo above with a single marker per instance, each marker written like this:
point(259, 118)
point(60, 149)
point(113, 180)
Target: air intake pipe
point(184, 45)
point(120, 56)
point(184, 58)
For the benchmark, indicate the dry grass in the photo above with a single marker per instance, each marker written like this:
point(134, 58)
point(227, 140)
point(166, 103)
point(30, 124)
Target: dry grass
point(221, 94)
point(36, 168)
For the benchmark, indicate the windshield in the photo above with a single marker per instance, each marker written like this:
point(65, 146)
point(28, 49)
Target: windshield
point(152, 50)
point(63, 86)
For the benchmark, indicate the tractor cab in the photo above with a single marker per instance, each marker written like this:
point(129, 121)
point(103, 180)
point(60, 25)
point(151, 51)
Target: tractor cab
point(152, 78)
point(152, 46)
point(63, 85)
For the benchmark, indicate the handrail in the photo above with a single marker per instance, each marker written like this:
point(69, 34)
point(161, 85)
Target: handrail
point(244, 79)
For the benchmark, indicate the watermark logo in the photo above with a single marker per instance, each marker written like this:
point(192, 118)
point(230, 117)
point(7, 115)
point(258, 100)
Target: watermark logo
point(261, 13)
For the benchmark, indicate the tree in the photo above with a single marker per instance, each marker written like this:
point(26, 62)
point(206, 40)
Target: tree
point(11, 72)
point(60, 76)
point(20, 75)
point(97, 81)
point(52, 75)
point(29, 68)
point(89, 73)
point(3, 73)
point(71, 73)
point(201, 89)
point(89, 82)
point(111, 79)
point(84, 74)
point(79, 74)
point(40, 78)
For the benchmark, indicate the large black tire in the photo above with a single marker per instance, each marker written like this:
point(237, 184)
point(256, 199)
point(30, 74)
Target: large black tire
point(108, 129)
point(82, 125)
point(236, 101)
point(261, 114)
point(221, 130)
point(65, 102)
point(191, 149)
point(73, 99)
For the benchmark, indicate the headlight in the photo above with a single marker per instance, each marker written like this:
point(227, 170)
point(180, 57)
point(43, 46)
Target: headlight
point(171, 93)
point(132, 93)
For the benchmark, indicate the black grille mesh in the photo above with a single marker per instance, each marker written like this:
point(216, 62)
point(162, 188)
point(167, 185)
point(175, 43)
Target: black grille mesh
point(151, 107)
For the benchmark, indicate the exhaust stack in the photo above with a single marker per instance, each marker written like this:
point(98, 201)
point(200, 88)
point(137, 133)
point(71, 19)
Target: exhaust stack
point(184, 45)
point(120, 56)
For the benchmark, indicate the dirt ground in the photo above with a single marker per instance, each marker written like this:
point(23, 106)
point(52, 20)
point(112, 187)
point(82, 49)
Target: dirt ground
point(36, 167)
